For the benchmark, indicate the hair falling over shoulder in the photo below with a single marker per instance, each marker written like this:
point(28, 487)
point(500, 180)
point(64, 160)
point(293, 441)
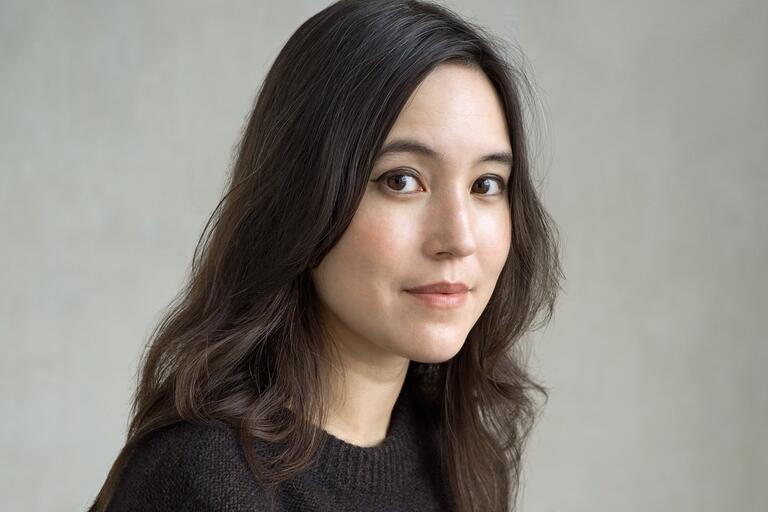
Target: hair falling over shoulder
point(243, 337)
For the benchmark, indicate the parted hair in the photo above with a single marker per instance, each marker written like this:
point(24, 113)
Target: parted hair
point(243, 336)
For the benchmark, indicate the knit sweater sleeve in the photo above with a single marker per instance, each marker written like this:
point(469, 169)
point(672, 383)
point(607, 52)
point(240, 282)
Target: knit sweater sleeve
point(188, 467)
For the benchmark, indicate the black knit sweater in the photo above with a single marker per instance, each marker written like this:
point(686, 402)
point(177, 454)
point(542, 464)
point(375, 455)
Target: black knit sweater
point(197, 468)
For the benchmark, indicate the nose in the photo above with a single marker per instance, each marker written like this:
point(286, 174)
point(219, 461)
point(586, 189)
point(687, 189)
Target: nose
point(451, 228)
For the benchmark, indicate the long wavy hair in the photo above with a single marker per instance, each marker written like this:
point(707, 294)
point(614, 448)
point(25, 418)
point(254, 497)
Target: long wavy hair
point(243, 337)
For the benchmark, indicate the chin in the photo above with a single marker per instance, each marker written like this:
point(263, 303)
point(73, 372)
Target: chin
point(433, 360)
point(436, 355)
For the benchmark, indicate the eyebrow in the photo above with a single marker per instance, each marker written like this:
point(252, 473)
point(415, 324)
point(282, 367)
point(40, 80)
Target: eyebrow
point(418, 148)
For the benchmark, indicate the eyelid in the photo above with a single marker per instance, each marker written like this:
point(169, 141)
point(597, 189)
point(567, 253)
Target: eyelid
point(399, 170)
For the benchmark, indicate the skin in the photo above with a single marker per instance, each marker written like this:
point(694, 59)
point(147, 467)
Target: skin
point(448, 223)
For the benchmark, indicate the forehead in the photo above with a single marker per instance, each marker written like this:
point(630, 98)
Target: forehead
point(455, 109)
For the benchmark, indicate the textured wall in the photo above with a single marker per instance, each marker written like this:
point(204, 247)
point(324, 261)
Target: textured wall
point(118, 124)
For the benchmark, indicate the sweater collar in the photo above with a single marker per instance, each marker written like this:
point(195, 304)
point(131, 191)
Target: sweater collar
point(385, 467)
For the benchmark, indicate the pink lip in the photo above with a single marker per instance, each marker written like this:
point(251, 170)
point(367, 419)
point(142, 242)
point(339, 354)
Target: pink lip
point(441, 300)
point(441, 287)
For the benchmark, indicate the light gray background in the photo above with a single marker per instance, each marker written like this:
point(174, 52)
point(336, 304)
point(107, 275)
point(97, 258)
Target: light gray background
point(118, 121)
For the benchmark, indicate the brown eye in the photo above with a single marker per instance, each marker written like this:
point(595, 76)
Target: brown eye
point(487, 184)
point(398, 181)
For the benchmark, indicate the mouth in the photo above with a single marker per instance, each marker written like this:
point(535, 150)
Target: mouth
point(440, 300)
point(444, 287)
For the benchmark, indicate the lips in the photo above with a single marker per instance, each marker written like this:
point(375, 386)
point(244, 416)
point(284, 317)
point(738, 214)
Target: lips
point(441, 287)
point(443, 295)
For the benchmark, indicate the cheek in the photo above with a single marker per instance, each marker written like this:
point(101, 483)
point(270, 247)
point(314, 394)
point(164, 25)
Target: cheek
point(376, 246)
point(368, 262)
point(493, 244)
point(361, 277)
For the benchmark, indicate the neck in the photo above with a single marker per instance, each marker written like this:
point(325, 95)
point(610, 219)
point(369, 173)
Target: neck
point(361, 404)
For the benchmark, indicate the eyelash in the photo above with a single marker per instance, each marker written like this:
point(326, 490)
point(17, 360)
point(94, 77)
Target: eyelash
point(403, 172)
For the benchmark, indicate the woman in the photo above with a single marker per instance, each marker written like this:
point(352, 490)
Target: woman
point(348, 338)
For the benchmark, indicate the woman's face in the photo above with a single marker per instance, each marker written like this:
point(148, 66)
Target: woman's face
point(430, 215)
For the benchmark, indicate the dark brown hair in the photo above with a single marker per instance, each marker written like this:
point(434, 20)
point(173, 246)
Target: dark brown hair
point(243, 336)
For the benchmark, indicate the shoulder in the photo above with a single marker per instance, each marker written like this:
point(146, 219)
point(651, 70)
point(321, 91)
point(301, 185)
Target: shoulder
point(187, 443)
point(187, 466)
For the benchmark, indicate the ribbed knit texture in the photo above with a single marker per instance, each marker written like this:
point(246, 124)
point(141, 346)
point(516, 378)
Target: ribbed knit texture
point(197, 468)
